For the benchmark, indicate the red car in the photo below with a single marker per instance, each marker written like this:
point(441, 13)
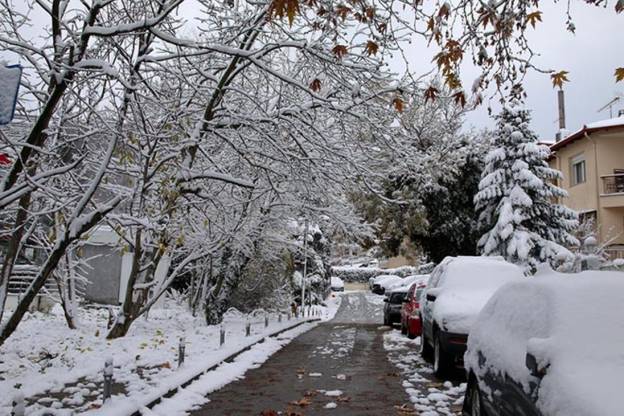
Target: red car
point(410, 311)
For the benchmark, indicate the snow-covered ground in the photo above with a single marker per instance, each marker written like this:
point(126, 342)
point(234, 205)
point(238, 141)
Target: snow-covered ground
point(429, 396)
point(57, 368)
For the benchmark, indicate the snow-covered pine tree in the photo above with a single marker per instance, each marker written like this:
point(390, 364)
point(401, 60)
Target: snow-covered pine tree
point(517, 198)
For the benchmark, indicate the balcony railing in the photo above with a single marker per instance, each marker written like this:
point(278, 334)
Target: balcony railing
point(613, 184)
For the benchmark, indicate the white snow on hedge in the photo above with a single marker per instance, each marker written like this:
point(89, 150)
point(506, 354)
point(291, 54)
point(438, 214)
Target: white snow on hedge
point(465, 286)
point(573, 325)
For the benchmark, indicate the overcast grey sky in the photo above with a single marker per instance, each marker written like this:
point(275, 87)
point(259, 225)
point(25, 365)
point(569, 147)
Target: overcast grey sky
point(591, 56)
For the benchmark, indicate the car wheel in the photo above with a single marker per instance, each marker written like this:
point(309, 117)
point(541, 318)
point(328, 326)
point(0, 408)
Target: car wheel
point(440, 358)
point(473, 396)
point(403, 328)
point(425, 348)
point(386, 321)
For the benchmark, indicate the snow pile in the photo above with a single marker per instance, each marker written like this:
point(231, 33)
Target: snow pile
point(573, 325)
point(465, 285)
point(428, 396)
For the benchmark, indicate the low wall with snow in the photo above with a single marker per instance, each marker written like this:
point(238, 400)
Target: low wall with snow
point(362, 274)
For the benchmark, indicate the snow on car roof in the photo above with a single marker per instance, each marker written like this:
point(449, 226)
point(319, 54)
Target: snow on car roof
point(572, 323)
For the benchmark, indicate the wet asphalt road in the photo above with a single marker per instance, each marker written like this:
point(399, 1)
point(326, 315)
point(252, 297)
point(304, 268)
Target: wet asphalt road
point(339, 367)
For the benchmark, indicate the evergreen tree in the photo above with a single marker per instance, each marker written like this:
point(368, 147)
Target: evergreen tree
point(517, 198)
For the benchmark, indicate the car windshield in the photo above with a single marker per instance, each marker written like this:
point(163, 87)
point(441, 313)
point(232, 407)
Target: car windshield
point(397, 297)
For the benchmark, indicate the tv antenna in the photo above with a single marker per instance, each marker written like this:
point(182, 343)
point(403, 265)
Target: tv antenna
point(610, 104)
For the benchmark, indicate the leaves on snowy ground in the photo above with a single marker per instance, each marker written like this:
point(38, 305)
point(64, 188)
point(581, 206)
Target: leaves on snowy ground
point(269, 412)
point(619, 74)
point(558, 78)
point(344, 399)
point(164, 365)
point(310, 393)
point(405, 410)
point(302, 402)
point(301, 370)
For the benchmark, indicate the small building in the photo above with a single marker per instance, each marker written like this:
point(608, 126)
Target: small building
point(592, 163)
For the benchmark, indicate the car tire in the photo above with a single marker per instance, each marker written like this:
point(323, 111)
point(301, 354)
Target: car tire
point(441, 359)
point(387, 321)
point(403, 328)
point(474, 404)
point(426, 351)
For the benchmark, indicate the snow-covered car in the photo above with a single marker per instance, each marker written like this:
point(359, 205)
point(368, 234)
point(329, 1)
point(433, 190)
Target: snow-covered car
point(551, 345)
point(410, 311)
point(459, 287)
point(407, 281)
point(337, 285)
point(392, 306)
point(383, 282)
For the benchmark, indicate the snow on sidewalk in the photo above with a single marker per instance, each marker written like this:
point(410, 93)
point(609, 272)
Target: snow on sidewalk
point(57, 368)
point(429, 396)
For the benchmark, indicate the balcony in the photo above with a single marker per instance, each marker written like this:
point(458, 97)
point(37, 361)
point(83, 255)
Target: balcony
point(612, 195)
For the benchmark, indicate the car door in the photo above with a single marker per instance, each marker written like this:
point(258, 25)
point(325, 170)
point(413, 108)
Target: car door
point(514, 401)
point(426, 307)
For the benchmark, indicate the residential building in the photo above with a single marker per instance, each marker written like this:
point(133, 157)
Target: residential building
point(592, 163)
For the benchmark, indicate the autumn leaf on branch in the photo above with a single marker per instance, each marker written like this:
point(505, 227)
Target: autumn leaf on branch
point(315, 85)
point(343, 11)
point(619, 6)
point(619, 74)
point(339, 51)
point(460, 99)
point(431, 93)
point(558, 78)
point(281, 8)
point(444, 11)
point(371, 48)
point(398, 104)
point(534, 17)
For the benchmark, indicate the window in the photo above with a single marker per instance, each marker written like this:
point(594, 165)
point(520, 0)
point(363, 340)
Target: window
point(577, 168)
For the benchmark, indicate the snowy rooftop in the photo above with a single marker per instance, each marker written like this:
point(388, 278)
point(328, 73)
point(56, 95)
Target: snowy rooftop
point(589, 128)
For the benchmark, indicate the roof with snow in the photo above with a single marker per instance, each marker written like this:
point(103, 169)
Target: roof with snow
point(603, 125)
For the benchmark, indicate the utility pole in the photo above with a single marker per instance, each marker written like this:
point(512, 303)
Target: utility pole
point(305, 264)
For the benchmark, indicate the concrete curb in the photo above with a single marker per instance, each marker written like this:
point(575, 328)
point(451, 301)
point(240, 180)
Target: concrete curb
point(171, 392)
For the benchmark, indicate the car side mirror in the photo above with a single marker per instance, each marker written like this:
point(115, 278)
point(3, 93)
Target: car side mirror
point(386, 300)
point(432, 294)
point(534, 369)
point(431, 297)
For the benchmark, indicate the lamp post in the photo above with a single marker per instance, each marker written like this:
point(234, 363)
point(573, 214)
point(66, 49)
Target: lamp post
point(305, 264)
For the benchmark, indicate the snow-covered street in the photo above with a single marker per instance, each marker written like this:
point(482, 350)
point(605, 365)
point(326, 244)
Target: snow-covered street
point(350, 365)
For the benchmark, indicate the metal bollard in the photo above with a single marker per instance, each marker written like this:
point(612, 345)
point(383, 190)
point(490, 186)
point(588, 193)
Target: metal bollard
point(266, 320)
point(247, 328)
point(18, 405)
point(108, 379)
point(279, 317)
point(288, 316)
point(221, 335)
point(181, 349)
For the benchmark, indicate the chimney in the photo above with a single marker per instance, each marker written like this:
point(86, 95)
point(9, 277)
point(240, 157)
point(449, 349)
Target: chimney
point(561, 102)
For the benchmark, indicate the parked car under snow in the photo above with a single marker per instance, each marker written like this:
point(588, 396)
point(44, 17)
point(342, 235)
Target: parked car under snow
point(383, 283)
point(337, 285)
point(457, 290)
point(550, 345)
